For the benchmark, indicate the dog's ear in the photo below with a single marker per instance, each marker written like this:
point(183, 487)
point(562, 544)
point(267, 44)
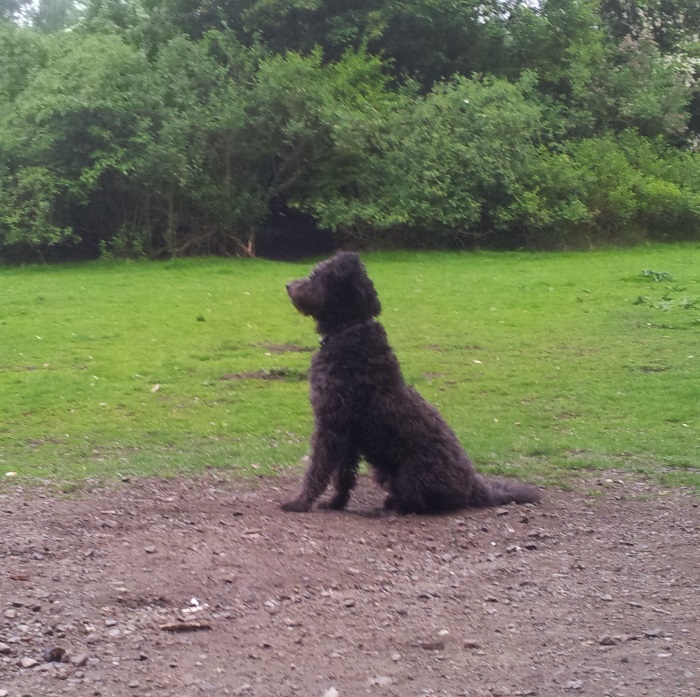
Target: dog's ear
point(348, 261)
point(369, 293)
point(360, 291)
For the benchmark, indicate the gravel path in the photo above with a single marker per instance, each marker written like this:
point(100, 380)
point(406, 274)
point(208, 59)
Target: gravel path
point(195, 587)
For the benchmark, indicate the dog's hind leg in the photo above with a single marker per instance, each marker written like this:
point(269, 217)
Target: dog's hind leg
point(331, 452)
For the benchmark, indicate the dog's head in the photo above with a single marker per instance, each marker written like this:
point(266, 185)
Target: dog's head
point(337, 292)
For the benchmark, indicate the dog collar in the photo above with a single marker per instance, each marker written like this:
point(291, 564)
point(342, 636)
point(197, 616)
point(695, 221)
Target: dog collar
point(344, 330)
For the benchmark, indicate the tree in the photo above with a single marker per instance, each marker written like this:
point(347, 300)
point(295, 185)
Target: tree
point(14, 10)
point(168, 127)
point(54, 15)
point(671, 28)
point(671, 24)
point(76, 121)
point(647, 92)
point(439, 168)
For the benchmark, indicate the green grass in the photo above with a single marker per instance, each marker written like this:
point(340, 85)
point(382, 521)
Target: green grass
point(544, 364)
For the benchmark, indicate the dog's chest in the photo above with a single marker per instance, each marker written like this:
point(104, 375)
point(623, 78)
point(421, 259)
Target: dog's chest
point(335, 371)
point(354, 371)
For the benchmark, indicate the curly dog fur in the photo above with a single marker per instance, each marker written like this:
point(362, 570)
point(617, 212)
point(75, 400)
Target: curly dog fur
point(363, 408)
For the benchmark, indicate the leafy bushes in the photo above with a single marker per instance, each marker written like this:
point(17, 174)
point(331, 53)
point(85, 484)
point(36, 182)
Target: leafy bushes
point(610, 189)
point(446, 162)
point(132, 136)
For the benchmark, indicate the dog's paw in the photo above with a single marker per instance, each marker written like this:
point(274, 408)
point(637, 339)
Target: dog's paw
point(296, 506)
point(334, 504)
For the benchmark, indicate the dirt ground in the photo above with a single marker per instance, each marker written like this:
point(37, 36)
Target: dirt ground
point(594, 592)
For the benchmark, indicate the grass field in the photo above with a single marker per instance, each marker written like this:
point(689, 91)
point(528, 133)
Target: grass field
point(543, 363)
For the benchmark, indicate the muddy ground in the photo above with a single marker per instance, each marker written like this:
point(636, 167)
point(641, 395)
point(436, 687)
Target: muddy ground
point(594, 592)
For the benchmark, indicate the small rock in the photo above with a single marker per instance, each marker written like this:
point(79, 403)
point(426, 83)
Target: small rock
point(574, 685)
point(472, 644)
point(150, 549)
point(10, 614)
point(111, 622)
point(607, 640)
point(331, 692)
point(134, 684)
point(26, 662)
point(380, 681)
point(349, 602)
point(530, 545)
point(501, 511)
point(4, 693)
point(607, 598)
point(512, 549)
point(54, 655)
point(80, 660)
point(396, 656)
point(653, 633)
point(5, 650)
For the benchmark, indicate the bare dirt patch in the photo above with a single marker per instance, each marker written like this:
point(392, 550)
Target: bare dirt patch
point(288, 348)
point(593, 592)
point(273, 374)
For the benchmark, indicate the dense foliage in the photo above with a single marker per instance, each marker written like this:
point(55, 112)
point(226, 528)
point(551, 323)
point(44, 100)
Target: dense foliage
point(171, 127)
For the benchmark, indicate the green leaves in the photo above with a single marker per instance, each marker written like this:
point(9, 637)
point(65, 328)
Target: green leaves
point(171, 127)
point(436, 161)
point(27, 203)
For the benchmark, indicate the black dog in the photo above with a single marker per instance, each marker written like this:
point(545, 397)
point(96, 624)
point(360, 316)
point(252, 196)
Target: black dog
point(363, 408)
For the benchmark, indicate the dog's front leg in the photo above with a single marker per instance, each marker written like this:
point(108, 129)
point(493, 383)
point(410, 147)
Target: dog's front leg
point(345, 480)
point(331, 452)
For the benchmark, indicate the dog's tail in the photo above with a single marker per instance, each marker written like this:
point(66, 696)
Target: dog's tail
point(495, 491)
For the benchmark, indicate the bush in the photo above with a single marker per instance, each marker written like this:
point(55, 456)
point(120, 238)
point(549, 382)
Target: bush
point(611, 189)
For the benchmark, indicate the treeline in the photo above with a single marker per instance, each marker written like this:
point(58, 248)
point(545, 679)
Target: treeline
point(173, 127)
